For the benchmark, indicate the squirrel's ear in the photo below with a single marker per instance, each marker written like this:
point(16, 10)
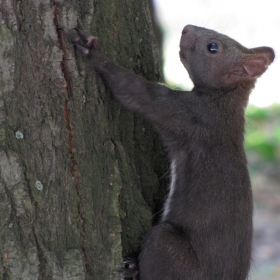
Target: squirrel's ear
point(267, 52)
point(256, 64)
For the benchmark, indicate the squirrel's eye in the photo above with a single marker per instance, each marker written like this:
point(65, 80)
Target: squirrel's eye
point(212, 48)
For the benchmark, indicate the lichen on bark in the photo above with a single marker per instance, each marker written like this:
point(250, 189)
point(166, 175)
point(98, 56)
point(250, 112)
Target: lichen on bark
point(78, 174)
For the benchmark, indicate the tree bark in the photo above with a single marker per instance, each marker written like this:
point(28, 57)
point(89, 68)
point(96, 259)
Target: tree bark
point(81, 179)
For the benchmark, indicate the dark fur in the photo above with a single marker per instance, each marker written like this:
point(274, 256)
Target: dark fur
point(206, 229)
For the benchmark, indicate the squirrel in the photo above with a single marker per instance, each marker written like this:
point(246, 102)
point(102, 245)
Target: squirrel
point(205, 232)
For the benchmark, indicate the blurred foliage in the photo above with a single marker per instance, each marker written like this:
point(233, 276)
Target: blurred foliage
point(263, 132)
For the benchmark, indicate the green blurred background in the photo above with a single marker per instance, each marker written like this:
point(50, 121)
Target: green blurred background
point(263, 153)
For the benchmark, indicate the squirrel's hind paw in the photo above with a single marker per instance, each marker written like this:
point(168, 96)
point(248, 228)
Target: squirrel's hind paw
point(131, 271)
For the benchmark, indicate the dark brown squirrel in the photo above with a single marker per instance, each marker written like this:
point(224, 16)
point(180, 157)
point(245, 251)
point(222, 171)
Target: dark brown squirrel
point(205, 232)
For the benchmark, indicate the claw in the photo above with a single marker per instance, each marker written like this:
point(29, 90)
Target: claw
point(70, 34)
point(81, 33)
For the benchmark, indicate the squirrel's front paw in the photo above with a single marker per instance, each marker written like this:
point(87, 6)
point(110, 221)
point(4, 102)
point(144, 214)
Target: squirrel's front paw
point(81, 40)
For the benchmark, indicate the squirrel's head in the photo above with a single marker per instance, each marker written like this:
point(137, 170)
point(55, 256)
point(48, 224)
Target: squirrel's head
point(214, 60)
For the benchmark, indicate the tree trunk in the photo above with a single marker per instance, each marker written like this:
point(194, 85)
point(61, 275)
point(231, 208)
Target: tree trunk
point(80, 177)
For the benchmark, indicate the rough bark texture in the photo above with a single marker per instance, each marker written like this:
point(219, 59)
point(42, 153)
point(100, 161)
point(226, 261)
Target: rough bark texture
point(80, 177)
